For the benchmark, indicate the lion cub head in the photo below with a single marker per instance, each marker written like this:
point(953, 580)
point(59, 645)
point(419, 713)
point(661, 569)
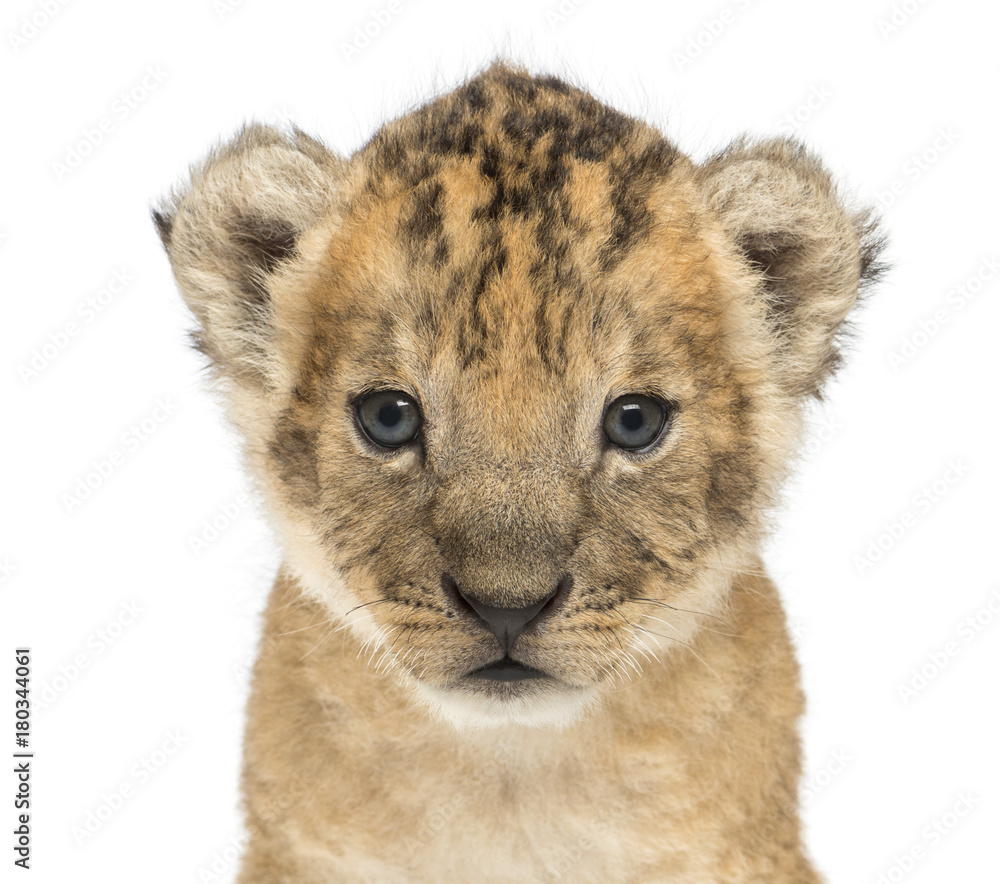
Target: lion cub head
point(518, 379)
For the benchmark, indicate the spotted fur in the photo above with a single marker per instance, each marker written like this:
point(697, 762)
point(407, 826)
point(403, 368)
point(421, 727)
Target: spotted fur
point(515, 255)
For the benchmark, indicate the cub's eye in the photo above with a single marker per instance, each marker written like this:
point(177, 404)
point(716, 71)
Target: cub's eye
point(389, 418)
point(633, 422)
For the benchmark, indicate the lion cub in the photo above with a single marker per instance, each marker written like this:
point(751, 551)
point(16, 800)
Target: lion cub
point(518, 382)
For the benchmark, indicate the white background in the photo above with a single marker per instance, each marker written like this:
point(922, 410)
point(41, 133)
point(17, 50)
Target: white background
point(900, 96)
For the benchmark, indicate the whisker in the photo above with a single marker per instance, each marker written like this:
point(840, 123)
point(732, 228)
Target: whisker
point(650, 601)
point(365, 605)
point(322, 622)
point(401, 634)
point(686, 645)
point(320, 642)
point(357, 620)
point(705, 628)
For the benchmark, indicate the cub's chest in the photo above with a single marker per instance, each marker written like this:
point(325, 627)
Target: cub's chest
point(479, 815)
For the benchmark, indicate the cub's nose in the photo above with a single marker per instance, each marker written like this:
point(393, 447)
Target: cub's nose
point(506, 623)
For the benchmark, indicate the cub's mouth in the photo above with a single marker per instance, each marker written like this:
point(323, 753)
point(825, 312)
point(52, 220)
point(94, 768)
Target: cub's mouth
point(506, 669)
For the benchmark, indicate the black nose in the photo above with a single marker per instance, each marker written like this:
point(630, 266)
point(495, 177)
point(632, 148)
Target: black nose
point(508, 623)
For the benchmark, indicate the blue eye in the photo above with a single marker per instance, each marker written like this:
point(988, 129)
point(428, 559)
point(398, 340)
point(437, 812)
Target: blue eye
point(389, 418)
point(633, 422)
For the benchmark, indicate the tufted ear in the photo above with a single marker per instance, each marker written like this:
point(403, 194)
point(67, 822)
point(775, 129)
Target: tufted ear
point(814, 256)
point(229, 230)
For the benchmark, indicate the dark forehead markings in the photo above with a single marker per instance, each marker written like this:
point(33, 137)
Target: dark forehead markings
point(469, 345)
point(493, 263)
point(474, 95)
point(421, 224)
point(521, 133)
point(423, 219)
point(632, 181)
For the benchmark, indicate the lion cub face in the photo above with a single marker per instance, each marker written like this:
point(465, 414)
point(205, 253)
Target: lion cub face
point(517, 379)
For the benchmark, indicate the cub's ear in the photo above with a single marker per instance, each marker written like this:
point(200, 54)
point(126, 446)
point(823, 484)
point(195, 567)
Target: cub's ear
point(228, 230)
point(813, 255)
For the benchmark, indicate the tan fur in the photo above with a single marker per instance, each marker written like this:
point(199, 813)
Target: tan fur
point(515, 256)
